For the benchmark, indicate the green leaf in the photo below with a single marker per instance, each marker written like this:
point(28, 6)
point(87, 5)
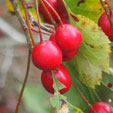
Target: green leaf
point(90, 8)
point(56, 100)
point(73, 96)
point(33, 97)
point(105, 93)
point(93, 54)
point(56, 84)
point(69, 108)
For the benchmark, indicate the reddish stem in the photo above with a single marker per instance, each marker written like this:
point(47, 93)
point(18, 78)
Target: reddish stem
point(31, 3)
point(24, 83)
point(108, 16)
point(38, 18)
point(28, 22)
point(110, 9)
point(48, 13)
point(57, 15)
point(83, 97)
point(37, 31)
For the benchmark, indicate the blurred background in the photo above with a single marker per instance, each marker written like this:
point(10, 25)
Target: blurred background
point(13, 62)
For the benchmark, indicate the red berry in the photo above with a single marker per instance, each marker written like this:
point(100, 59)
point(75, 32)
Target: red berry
point(43, 12)
point(102, 107)
point(52, 37)
point(104, 23)
point(46, 55)
point(62, 75)
point(109, 85)
point(61, 7)
point(69, 55)
point(68, 37)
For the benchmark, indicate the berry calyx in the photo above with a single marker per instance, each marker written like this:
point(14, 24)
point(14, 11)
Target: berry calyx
point(46, 55)
point(101, 107)
point(104, 23)
point(43, 12)
point(68, 37)
point(69, 55)
point(62, 75)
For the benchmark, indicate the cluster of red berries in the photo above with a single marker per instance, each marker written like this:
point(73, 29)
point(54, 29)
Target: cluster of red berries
point(101, 107)
point(59, 8)
point(105, 24)
point(48, 55)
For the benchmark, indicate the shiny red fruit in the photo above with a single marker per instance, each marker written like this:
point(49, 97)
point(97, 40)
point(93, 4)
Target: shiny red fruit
point(102, 107)
point(69, 55)
point(62, 75)
point(68, 37)
point(52, 37)
point(104, 23)
point(61, 7)
point(46, 55)
point(43, 12)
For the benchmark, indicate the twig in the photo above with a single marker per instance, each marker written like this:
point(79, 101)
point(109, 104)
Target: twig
point(38, 19)
point(28, 22)
point(42, 25)
point(22, 22)
point(37, 31)
point(110, 9)
point(25, 80)
point(85, 100)
point(108, 16)
point(48, 25)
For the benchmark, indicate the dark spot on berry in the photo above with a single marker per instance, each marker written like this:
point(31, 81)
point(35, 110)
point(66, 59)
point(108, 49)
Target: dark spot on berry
point(109, 85)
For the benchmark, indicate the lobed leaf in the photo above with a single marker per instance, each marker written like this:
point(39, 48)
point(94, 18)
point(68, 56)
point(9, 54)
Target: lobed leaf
point(93, 54)
point(90, 8)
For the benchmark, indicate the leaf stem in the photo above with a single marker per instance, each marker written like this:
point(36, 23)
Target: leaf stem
point(38, 18)
point(24, 83)
point(108, 16)
point(28, 22)
point(83, 97)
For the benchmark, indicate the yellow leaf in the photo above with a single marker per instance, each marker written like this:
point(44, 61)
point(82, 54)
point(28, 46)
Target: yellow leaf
point(9, 6)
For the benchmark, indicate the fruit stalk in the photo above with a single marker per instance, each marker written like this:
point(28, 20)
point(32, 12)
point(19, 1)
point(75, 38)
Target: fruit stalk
point(54, 12)
point(51, 18)
point(24, 83)
point(85, 100)
point(28, 22)
point(108, 16)
point(110, 9)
